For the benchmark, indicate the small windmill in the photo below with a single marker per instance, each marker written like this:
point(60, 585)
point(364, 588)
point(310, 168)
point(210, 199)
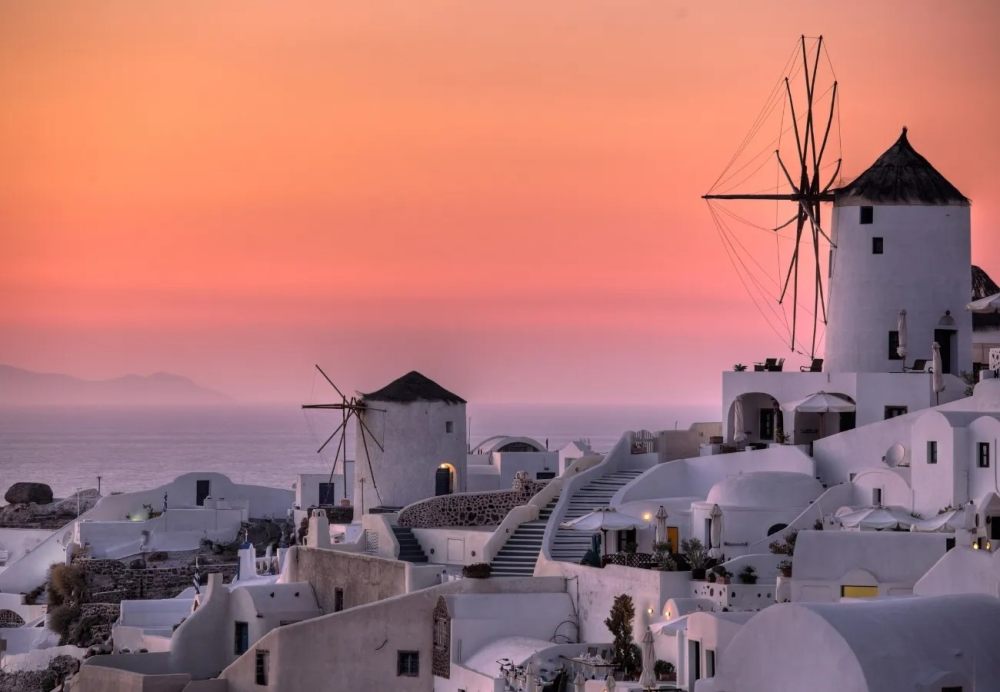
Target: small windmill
point(348, 407)
point(808, 184)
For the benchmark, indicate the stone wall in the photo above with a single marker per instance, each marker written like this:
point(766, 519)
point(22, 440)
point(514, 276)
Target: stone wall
point(361, 579)
point(112, 581)
point(469, 509)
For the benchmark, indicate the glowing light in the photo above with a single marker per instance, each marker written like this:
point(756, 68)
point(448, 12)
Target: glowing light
point(647, 516)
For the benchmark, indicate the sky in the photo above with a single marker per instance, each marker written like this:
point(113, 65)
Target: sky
point(503, 195)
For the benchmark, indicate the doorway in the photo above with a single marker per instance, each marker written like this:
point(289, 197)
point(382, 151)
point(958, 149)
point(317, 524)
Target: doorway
point(202, 489)
point(444, 480)
point(674, 537)
point(945, 339)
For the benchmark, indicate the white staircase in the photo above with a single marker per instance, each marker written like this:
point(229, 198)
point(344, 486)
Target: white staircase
point(519, 554)
point(569, 545)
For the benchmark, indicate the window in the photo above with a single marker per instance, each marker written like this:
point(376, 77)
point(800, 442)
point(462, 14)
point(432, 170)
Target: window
point(893, 411)
point(338, 600)
point(877, 497)
point(931, 451)
point(242, 638)
point(408, 663)
point(709, 663)
point(261, 665)
point(449, 426)
point(952, 688)
point(327, 494)
point(852, 591)
point(867, 215)
point(544, 475)
point(894, 346)
point(984, 455)
point(878, 247)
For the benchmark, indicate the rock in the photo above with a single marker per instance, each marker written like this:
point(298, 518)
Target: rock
point(23, 493)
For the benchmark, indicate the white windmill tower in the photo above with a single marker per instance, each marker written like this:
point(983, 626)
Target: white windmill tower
point(901, 241)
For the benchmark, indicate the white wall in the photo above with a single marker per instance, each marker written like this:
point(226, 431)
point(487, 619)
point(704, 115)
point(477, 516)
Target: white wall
point(307, 486)
point(924, 270)
point(416, 443)
point(453, 546)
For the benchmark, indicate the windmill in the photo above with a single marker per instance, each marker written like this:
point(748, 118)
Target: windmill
point(804, 180)
point(348, 407)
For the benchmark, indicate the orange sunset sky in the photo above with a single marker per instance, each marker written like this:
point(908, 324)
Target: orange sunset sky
point(504, 195)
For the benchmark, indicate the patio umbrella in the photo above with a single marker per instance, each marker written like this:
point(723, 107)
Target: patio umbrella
point(901, 327)
point(579, 682)
point(648, 678)
point(739, 426)
point(715, 533)
point(604, 519)
point(661, 526)
point(876, 518)
point(609, 683)
point(821, 403)
point(985, 305)
point(937, 377)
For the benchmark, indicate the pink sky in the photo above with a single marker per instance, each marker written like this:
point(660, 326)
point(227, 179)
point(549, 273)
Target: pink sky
point(503, 195)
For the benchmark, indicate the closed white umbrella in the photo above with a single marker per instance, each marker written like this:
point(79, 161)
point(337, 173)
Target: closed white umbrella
point(648, 678)
point(661, 526)
point(609, 683)
point(901, 326)
point(739, 426)
point(715, 533)
point(937, 377)
point(579, 682)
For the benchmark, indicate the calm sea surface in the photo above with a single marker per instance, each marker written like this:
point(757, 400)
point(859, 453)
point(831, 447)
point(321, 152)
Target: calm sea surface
point(140, 448)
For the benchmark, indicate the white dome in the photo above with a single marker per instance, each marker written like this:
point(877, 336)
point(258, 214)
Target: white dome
point(987, 394)
point(766, 489)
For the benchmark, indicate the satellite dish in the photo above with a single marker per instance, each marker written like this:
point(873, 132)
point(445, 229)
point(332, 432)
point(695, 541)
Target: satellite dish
point(895, 454)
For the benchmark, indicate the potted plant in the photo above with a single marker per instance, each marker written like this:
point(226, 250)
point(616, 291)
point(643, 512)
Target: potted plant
point(785, 567)
point(739, 367)
point(748, 575)
point(722, 575)
point(696, 555)
point(664, 671)
point(477, 570)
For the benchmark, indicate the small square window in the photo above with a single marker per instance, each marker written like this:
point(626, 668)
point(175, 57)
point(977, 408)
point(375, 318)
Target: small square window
point(449, 427)
point(877, 245)
point(893, 411)
point(931, 451)
point(408, 663)
point(261, 665)
point(867, 215)
point(984, 455)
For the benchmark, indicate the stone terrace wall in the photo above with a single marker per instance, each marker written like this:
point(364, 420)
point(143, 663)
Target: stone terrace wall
point(111, 581)
point(468, 509)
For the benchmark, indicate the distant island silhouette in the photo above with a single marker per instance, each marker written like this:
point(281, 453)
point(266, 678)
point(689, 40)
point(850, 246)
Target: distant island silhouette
point(20, 387)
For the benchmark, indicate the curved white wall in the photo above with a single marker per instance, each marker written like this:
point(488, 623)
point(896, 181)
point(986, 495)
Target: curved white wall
point(924, 269)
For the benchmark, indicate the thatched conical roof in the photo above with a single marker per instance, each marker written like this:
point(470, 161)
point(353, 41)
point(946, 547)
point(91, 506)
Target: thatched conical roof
point(413, 387)
point(900, 176)
point(982, 284)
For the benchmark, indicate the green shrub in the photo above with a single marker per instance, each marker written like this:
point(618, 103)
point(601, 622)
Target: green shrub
point(477, 570)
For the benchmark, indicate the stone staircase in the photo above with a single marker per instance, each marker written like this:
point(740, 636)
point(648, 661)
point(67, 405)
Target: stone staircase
point(519, 554)
point(409, 546)
point(569, 545)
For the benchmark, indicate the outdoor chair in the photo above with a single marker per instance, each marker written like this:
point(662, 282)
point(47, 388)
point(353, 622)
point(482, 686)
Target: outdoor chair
point(768, 365)
point(777, 365)
point(919, 365)
point(816, 366)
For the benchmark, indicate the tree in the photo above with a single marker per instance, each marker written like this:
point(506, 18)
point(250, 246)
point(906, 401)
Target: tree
point(619, 622)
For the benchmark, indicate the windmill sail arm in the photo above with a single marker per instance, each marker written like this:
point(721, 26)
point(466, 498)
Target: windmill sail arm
point(793, 197)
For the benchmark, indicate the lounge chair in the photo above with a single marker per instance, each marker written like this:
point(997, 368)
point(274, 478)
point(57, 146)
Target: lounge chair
point(817, 366)
point(778, 364)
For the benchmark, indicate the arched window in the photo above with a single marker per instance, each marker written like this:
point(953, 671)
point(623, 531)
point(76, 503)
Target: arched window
point(776, 528)
point(8, 618)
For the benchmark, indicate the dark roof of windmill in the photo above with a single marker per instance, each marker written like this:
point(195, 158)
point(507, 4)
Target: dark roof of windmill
point(901, 176)
point(982, 284)
point(414, 387)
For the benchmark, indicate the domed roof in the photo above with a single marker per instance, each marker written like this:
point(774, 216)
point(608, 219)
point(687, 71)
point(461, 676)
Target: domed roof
point(900, 176)
point(765, 489)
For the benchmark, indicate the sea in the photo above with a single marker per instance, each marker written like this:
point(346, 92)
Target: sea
point(137, 448)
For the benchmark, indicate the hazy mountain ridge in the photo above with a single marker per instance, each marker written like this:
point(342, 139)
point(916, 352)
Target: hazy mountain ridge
point(19, 387)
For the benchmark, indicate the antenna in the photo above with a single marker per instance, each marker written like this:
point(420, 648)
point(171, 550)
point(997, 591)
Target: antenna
point(807, 190)
point(348, 407)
